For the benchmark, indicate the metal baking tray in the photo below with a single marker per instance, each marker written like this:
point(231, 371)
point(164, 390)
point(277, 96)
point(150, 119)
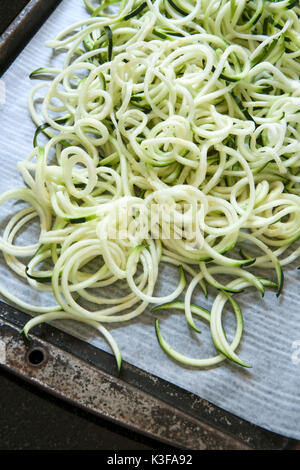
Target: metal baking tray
point(77, 372)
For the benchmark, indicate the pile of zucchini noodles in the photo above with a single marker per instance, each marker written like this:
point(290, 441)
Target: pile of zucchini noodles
point(168, 102)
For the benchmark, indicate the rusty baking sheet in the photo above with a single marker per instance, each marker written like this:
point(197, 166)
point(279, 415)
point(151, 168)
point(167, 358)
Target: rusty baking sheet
point(23, 28)
point(87, 377)
point(77, 372)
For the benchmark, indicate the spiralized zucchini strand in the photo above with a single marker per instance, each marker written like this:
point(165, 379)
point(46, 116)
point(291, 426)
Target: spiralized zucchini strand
point(172, 136)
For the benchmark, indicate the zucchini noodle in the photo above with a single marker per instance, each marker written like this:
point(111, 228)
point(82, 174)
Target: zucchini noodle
point(186, 110)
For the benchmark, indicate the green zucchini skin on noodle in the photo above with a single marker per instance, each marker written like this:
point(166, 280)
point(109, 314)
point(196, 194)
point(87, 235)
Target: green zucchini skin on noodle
point(42, 279)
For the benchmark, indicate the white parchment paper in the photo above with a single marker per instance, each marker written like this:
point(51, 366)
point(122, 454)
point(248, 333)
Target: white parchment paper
point(268, 394)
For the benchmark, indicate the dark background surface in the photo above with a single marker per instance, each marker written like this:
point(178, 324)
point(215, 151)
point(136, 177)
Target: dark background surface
point(9, 10)
point(31, 419)
point(34, 420)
